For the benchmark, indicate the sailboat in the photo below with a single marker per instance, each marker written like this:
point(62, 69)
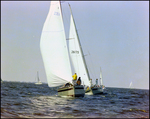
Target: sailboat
point(76, 54)
point(39, 82)
point(78, 60)
point(131, 85)
point(55, 54)
point(101, 81)
point(98, 89)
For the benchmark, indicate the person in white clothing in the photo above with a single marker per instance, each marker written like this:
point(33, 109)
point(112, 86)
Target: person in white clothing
point(91, 82)
point(96, 82)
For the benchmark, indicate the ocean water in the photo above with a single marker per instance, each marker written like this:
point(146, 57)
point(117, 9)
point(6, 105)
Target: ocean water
point(20, 99)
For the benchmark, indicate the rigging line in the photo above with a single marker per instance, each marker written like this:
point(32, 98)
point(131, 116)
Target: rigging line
point(85, 60)
point(64, 15)
point(90, 57)
point(92, 65)
point(91, 72)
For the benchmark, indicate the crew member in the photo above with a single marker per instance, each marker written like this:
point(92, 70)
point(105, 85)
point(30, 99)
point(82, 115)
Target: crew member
point(96, 81)
point(74, 78)
point(91, 83)
point(79, 81)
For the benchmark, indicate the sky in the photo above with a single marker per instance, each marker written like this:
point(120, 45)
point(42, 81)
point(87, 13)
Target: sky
point(114, 36)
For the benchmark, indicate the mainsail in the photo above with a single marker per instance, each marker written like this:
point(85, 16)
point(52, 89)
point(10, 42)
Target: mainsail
point(76, 54)
point(38, 77)
point(54, 48)
point(101, 81)
point(130, 86)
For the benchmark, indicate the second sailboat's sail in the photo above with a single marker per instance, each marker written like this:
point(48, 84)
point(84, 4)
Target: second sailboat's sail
point(76, 54)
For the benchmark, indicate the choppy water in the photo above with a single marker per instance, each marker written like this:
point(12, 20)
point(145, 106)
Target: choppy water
point(30, 100)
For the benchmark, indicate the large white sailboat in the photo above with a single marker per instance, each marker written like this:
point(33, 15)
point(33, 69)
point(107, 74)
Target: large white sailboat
point(55, 54)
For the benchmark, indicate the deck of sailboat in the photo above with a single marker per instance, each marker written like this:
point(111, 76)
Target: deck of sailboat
point(95, 91)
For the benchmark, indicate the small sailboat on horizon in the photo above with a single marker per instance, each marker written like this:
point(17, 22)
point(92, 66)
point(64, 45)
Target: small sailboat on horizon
point(38, 79)
point(131, 85)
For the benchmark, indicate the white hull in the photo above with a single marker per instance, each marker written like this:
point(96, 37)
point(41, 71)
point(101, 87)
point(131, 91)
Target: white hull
point(38, 83)
point(97, 90)
point(73, 91)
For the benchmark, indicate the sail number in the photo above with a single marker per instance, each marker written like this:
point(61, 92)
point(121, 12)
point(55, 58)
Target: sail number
point(57, 13)
point(75, 51)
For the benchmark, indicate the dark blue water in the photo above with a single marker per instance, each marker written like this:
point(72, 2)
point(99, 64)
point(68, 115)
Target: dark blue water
point(30, 100)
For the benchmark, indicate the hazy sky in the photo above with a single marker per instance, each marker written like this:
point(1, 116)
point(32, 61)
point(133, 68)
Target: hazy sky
point(114, 36)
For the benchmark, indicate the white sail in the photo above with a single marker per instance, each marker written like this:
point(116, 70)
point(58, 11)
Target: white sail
point(38, 79)
point(54, 48)
point(101, 81)
point(130, 86)
point(76, 54)
point(38, 76)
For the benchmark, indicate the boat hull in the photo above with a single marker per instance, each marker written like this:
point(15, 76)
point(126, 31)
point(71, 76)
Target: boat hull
point(89, 93)
point(97, 90)
point(73, 91)
point(38, 83)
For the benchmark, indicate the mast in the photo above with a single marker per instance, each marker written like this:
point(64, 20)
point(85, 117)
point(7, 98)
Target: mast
point(80, 45)
point(101, 77)
point(38, 76)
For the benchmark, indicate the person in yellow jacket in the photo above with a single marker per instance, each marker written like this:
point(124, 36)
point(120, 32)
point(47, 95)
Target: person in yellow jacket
point(74, 78)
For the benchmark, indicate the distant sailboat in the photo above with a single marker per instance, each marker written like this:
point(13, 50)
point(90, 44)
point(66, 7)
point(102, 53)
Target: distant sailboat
point(131, 85)
point(38, 79)
point(98, 89)
point(101, 80)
